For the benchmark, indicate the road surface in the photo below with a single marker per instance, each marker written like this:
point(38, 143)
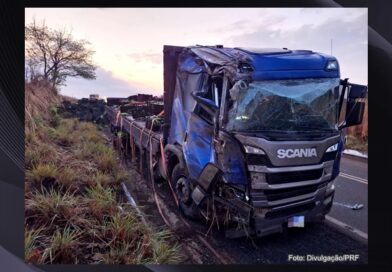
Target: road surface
point(351, 187)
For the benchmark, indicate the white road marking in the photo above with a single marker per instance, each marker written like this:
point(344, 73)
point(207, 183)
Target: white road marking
point(361, 180)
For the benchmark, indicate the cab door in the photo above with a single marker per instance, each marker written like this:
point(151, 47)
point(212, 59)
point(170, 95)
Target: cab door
point(198, 143)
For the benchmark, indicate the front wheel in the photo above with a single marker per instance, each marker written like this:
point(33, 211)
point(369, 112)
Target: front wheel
point(183, 189)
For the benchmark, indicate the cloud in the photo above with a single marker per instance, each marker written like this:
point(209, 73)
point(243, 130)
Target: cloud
point(241, 24)
point(248, 25)
point(106, 85)
point(155, 58)
point(349, 41)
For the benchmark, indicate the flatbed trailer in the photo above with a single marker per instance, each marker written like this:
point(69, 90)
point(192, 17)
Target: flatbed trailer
point(137, 141)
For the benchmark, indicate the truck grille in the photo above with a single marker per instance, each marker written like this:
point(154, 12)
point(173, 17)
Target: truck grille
point(279, 194)
point(256, 159)
point(290, 211)
point(286, 177)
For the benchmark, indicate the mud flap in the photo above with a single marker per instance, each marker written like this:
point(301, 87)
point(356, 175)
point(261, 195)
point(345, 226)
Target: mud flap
point(204, 181)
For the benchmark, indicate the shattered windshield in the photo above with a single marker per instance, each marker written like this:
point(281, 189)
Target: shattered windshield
point(300, 105)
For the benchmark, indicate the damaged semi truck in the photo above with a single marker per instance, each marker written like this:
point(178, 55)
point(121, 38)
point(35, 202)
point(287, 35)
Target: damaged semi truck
point(250, 138)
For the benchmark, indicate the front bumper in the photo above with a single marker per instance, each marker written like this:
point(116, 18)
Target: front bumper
point(272, 220)
point(275, 202)
point(290, 191)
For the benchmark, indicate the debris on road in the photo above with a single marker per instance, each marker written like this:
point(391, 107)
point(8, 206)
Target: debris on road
point(354, 207)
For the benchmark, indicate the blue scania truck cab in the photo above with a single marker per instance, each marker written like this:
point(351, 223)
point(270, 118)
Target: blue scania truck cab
point(253, 137)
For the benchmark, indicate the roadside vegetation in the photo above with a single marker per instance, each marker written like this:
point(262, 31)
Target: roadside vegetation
point(74, 211)
point(357, 136)
point(357, 142)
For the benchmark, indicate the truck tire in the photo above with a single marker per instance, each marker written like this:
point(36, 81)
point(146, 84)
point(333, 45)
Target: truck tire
point(183, 189)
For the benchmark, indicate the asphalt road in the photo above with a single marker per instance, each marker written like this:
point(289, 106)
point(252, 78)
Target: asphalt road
point(351, 187)
point(314, 240)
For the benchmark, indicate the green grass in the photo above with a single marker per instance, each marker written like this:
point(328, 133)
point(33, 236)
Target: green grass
point(55, 117)
point(356, 143)
point(124, 228)
point(42, 172)
point(64, 136)
point(78, 219)
point(107, 162)
point(129, 241)
point(102, 201)
point(162, 252)
point(32, 253)
point(51, 207)
point(68, 176)
point(39, 153)
point(63, 246)
point(121, 175)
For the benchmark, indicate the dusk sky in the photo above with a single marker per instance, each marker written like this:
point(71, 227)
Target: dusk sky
point(129, 41)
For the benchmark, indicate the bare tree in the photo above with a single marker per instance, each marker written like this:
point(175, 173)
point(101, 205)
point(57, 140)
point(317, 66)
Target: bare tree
point(56, 54)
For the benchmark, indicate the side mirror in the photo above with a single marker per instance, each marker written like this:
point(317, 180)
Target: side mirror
point(207, 104)
point(355, 109)
point(354, 113)
point(356, 91)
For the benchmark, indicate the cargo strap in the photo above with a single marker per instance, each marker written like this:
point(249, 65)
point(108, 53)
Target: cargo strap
point(132, 141)
point(168, 178)
point(141, 152)
point(118, 116)
point(163, 159)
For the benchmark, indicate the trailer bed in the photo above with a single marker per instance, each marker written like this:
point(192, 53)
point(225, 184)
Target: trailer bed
point(139, 134)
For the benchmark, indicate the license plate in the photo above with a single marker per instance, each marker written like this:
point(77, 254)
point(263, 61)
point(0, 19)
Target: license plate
point(296, 222)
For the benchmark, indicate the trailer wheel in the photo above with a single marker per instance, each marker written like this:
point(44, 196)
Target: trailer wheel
point(183, 189)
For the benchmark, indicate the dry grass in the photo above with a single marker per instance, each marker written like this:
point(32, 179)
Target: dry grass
point(104, 156)
point(48, 207)
point(42, 172)
point(121, 175)
point(63, 247)
point(356, 143)
point(32, 253)
point(107, 162)
point(102, 201)
point(68, 176)
point(72, 208)
point(39, 97)
point(39, 152)
point(129, 241)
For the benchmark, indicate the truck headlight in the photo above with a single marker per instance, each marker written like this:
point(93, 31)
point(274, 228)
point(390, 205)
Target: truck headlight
point(332, 148)
point(257, 180)
point(253, 150)
point(331, 185)
point(332, 65)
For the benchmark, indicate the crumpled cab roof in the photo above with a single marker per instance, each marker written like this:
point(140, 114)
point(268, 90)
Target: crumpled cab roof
point(270, 63)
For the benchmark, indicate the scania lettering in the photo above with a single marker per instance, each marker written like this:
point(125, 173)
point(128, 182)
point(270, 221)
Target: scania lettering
point(296, 153)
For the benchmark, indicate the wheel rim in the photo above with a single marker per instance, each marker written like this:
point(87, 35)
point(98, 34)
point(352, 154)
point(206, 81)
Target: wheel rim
point(183, 190)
